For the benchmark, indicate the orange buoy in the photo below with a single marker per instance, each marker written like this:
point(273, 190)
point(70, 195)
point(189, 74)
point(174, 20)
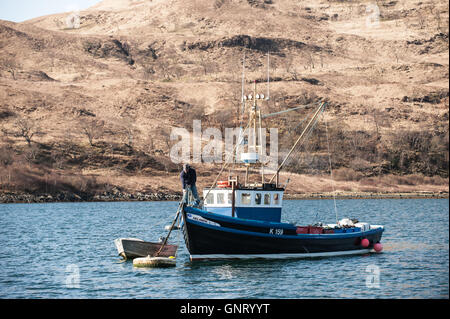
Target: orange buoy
point(378, 247)
point(365, 243)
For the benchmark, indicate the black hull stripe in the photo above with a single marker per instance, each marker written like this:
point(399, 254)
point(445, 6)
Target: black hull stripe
point(298, 236)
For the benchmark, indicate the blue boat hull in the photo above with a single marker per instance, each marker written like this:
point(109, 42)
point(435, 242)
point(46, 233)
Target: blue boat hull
point(213, 236)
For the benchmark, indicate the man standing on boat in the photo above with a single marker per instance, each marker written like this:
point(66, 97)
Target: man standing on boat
point(188, 178)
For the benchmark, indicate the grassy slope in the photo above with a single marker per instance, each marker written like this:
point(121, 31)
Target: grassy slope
point(143, 69)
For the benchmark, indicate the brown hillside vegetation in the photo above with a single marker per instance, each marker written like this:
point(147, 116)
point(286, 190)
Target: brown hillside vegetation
point(88, 100)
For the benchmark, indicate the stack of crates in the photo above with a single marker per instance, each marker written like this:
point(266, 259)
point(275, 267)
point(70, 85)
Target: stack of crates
point(315, 230)
point(309, 230)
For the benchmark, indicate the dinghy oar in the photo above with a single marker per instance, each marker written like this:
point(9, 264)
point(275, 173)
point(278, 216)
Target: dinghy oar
point(157, 261)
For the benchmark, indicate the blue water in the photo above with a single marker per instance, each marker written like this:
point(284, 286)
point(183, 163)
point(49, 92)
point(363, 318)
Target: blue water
point(66, 250)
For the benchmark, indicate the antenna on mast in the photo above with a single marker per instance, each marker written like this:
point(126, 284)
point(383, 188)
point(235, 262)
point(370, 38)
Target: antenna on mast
point(243, 81)
point(268, 76)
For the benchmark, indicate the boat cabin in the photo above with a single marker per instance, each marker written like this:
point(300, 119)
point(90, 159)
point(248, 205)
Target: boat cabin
point(250, 203)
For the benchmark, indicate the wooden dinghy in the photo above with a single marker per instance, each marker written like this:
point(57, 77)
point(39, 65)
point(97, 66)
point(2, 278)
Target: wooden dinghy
point(155, 262)
point(130, 248)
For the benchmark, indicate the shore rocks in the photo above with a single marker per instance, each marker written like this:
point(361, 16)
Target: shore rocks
point(120, 196)
point(9, 197)
point(367, 195)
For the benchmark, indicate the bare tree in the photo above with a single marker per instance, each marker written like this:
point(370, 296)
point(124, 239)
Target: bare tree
point(421, 19)
point(165, 136)
point(218, 3)
point(274, 64)
point(11, 65)
point(31, 154)
point(294, 73)
point(129, 130)
point(310, 62)
point(149, 71)
point(27, 128)
point(177, 71)
point(232, 101)
point(207, 65)
point(397, 54)
point(148, 145)
point(288, 63)
point(6, 156)
point(380, 119)
point(58, 158)
point(6, 160)
point(437, 16)
point(164, 67)
point(196, 112)
point(93, 129)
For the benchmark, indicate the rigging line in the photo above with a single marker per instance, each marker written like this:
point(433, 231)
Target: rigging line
point(286, 111)
point(302, 121)
point(299, 124)
point(331, 171)
point(308, 134)
point(178, 234)
point(306, 138)
point(308, 126)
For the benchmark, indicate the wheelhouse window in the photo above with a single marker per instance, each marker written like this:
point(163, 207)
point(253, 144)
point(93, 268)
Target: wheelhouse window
point(266, 199)
point(220, 198)
point(245, 198)
point(276, 199)
point(210, 198)
point(258, 198)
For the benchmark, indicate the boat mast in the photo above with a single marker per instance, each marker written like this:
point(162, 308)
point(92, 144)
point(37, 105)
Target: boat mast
point(268, 76)
point(255, 148)
point(243, 83)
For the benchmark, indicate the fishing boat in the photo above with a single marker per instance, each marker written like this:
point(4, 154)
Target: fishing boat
point(243, 220)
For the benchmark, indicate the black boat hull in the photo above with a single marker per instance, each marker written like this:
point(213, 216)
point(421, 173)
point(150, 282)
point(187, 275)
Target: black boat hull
point(211, 236)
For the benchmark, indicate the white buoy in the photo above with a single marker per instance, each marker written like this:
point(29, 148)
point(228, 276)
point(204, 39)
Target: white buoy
point(155, 262)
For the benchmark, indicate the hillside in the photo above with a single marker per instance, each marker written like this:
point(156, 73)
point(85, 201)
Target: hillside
point(88, 99)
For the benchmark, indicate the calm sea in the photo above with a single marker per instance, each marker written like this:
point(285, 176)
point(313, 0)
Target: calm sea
point(66, 250)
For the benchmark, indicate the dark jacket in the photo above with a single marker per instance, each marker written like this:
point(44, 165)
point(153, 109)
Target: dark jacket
point(188, 178)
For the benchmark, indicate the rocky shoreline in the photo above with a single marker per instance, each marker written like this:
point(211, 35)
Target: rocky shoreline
point(9, 198)
point(368, 195)
point(120, 196)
